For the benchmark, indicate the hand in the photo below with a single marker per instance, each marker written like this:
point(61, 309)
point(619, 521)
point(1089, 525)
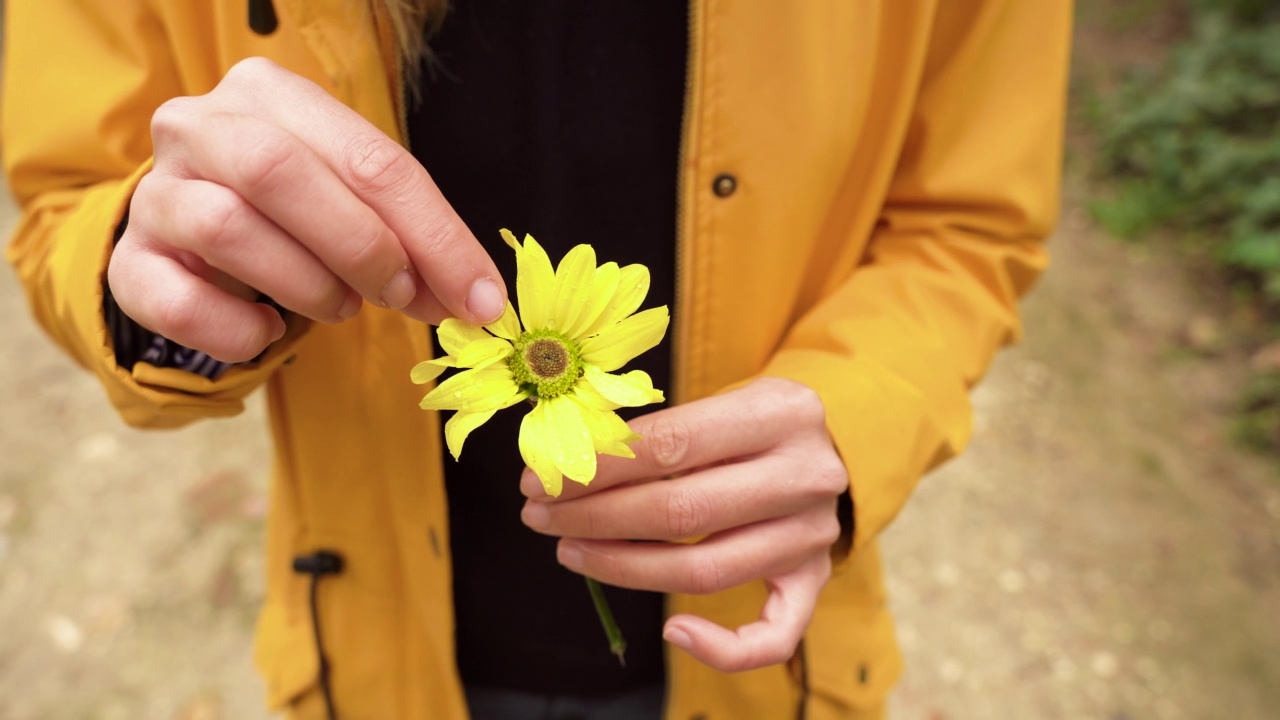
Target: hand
point(756, 474)
point(268, 184)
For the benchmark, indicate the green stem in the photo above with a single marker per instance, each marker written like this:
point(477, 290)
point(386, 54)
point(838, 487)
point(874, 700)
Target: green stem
point(617, 645)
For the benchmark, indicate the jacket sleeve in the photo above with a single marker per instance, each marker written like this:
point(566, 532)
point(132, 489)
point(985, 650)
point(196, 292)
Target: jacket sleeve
point(82, 80)
point(895, 349)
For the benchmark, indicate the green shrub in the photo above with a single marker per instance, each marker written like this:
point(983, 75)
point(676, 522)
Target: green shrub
point(1196, 147)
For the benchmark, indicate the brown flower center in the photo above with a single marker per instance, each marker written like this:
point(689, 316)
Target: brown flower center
point(546, 358)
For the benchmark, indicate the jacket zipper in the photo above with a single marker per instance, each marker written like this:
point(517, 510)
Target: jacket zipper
point(684, 211)
point(393, 65)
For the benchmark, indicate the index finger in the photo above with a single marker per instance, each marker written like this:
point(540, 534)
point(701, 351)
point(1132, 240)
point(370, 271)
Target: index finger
point(683, 438)
point(385, 176)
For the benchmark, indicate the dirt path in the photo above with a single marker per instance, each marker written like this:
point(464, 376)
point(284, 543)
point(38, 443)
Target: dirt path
point(1101, 551)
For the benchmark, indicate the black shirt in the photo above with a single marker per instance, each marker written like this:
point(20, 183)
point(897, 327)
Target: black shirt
point(560, 119)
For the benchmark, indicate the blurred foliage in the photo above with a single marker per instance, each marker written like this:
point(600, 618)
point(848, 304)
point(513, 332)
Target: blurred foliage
point(1257, 425)
point(1196, 146)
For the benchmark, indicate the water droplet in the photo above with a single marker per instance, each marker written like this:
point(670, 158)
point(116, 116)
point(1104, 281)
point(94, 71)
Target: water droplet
point(457, 393)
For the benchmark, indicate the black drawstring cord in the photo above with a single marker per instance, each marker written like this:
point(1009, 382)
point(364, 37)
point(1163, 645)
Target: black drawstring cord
point(262, 17)
point(318, 564)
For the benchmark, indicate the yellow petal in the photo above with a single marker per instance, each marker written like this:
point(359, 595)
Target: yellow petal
point(575, 279)
point(428, 370)
point(610, 434)
point(508, 326)
point(460, 426)
point(535, 452)
point(473, 390)
point(603, 289)
point(590, 397)
point(483, 353)
point(615, 346)
point(631, 390)
point(510, 239)
point(633, 286)
point(535, 284)
point(567, 439)
point(455, 335)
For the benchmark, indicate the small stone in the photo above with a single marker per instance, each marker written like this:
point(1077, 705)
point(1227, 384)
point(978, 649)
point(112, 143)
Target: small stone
point(1104, 665)
point(1012, 581)
point(946, 574)
point(908, 636)
point(65, 633)
point(1064, 671)
point(102, 446)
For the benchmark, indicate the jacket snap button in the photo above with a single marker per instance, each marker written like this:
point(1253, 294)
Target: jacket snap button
point(724, 185)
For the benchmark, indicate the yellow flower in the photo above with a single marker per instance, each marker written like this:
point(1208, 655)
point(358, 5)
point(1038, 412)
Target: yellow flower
point(578, 328)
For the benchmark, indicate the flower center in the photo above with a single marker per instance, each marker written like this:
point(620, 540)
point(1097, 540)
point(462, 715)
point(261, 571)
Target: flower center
point(546, 358)
point(545, 363)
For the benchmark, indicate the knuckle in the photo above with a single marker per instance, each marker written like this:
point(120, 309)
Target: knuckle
point(831, 476)
point(438, 238)
point(249, 70)
point(779, 653)
point(220, 223)
point(668, 443)
point(318, 300)
point(592, 525)
point(806, 405)
point(264, 162)
point(361, 251)
point(706, 576)
point(171, 120)
point(177, 315)
point(689, 512)
point(378, 165)
point(827, 530)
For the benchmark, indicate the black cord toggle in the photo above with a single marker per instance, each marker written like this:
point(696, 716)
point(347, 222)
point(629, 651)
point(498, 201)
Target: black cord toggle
point(262, 17)
point(317, 565)
point(320, 562)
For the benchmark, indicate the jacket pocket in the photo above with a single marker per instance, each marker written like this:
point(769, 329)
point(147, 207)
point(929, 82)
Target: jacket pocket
point(851, 657)
point(851, 662)
point(362, 635)
point(285, 653)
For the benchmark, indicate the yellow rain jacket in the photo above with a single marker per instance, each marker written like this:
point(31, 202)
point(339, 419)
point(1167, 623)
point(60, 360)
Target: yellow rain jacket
point(864, 190)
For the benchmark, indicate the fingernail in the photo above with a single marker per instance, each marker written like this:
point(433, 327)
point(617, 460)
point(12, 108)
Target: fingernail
point(536, 515)
point(278, 328)
point(677, 637)
point(569, 555)
point(531, 486)
point(399, 291)
point(485, 301)
point(350, 307)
